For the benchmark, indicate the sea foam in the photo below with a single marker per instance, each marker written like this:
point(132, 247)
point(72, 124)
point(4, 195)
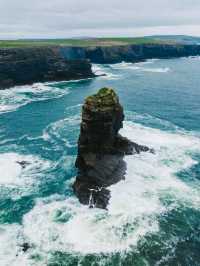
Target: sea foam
point(15, 97)
point(105, 72)
point(140, 67)
point(18, 180)
point(136, 202)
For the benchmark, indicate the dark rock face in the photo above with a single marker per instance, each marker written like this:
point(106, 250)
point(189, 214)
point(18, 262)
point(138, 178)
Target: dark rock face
point(28, 65)
point(101, 149)
point(23, 164)
point(136, 53)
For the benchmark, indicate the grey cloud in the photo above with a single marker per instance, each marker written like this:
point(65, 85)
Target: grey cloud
point(65, 18)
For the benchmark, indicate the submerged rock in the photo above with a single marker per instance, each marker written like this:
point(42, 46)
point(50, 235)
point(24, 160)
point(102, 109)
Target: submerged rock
point(25, 247)
point(101, 148)
point(23, 164)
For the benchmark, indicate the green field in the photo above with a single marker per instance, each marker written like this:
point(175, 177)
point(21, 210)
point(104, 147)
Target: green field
point(76, 42)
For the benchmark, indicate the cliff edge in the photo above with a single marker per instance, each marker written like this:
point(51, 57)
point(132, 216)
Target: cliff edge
point(101, 148)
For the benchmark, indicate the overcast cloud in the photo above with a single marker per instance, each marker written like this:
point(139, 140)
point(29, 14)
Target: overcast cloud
point(72, 18)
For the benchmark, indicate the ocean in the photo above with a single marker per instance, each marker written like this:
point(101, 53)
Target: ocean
point(153, 215)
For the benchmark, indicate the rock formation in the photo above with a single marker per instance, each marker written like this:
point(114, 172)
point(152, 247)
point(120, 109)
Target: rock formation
point(140, 52)
point(23, 66)
point(101, 149)
point(20, 66)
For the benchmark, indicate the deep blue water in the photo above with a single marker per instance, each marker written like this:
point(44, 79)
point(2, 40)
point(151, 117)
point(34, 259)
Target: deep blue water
point(153, 216)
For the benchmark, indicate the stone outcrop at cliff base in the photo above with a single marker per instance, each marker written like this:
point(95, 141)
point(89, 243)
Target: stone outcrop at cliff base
point(101, 149)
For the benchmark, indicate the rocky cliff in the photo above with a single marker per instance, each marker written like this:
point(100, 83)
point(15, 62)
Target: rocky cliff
point(101, 148)
point(28, 65)
point(136, 53)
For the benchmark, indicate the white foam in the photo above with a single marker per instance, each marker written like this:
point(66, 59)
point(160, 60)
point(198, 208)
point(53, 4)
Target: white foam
point(197, 57)
point(156, 70)
point(104, 72)
point(10, 252)
point(148, 61)
point(124, 65)
point(133, 66)
point(85, 230)
point(7, 108)
point(98, 69)
point(13, 98)
point(21, 179)
point(140, 67)
point(158, 138)
point(58, 224)
point(156, 122)
point(110, 71)
point(10, 170)
point(62, 130)
point(111, 76)
point(135, 205)
point(74, 107)
point(63, 82)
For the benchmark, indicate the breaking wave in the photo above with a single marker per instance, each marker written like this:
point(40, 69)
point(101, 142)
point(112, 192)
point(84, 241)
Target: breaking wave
point(13, 98)
point(153, 214)
point(21, 174)
point(63, 133)
point(105, 72)
point(140, 67)
point(64, 225)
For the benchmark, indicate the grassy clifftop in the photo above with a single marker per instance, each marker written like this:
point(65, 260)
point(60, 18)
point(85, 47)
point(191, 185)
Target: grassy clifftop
point(90, 42)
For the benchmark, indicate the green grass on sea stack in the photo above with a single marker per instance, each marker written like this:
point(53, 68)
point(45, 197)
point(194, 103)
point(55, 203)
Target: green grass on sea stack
point(76, 42)
point(104, 99)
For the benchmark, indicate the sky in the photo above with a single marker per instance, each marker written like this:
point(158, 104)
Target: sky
point(97, 18)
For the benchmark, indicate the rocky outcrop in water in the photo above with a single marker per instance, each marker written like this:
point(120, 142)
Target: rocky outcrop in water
point(101, 148)
point(28, 65)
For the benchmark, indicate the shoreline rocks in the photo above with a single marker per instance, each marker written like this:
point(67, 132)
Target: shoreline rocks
point(101, 149)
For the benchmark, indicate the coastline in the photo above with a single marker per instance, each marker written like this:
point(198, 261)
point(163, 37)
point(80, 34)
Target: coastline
point(23, 66)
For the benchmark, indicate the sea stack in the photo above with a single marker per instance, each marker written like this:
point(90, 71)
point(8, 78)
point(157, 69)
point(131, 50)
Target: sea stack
point(101, 148)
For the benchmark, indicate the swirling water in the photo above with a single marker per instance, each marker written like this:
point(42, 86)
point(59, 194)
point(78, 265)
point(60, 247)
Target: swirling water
point(153, 215)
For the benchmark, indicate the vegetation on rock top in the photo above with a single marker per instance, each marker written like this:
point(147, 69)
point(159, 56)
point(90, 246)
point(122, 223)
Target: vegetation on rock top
point(105, 98)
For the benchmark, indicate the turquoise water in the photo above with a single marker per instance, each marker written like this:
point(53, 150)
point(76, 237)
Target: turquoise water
point(153, 216)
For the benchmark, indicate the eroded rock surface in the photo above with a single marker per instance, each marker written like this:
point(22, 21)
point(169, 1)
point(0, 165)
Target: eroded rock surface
point(101, 148)
point(23, 66)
